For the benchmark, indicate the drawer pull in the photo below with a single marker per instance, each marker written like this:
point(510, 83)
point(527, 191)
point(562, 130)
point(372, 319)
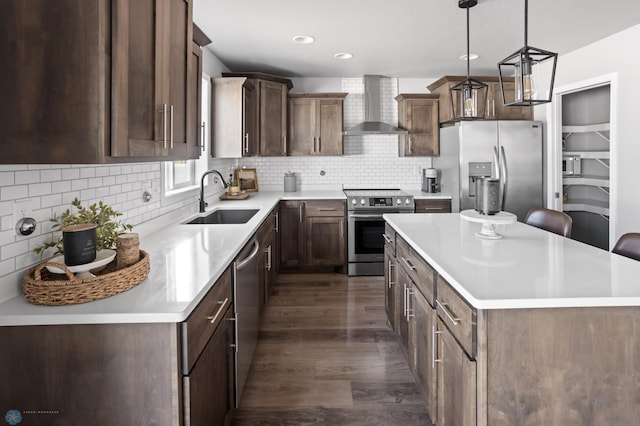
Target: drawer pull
point(326, 209)
point(408, 263)
point(212, 319)
point(409, 294)
point(387, 239)
point(390, 273)
point(443, 306)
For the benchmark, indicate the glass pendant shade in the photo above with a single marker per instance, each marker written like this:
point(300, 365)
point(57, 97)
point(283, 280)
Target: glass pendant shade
point(469, 97)
point(526, 76)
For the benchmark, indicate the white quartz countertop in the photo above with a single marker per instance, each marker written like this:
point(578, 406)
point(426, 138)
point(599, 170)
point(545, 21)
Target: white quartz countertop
point(185, 262)
point(527, 268)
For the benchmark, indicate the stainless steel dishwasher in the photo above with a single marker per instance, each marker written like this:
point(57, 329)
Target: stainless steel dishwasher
point(245, 287)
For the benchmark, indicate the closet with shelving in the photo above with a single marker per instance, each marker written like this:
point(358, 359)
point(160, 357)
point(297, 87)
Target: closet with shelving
point(586, 166)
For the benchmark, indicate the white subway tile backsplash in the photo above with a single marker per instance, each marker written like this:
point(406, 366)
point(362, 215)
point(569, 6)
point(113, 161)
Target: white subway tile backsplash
point(87, 172)
point(70, 174)
point(27, 177)
point(13, 192)
point(39, 189)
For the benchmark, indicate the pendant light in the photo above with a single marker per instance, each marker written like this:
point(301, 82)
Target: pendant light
point(468, 98)
point(523, 79)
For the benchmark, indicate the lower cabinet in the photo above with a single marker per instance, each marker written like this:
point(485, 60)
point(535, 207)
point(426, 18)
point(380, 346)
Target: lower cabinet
point(390, 284)
point(456, 382)
point(267, 270)
point(402, 311)
point(422, 340)
point(313, 234)
point(433, 206)
point(208, 389)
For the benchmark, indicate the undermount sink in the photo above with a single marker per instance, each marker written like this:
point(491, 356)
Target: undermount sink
point(225, 217)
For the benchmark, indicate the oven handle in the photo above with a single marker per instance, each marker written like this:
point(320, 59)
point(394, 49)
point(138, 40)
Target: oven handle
point(366, 216)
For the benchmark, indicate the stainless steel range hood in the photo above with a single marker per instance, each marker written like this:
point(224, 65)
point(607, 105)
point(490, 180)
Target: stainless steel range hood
point(372, 124)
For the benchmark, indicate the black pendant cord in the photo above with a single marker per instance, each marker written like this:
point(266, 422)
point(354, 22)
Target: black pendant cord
point(468, 68)
point(526, 23)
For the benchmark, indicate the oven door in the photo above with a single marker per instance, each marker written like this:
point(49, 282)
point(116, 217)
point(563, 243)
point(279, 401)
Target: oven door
point(364, 237)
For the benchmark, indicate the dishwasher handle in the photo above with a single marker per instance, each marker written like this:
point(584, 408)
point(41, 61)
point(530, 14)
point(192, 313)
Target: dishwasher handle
point(242, 263)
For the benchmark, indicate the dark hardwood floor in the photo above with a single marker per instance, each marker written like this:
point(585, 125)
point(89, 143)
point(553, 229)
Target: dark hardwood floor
point(327, 357)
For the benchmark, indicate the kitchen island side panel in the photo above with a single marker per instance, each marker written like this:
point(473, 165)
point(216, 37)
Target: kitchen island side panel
point(563, 366)
point(115, 374)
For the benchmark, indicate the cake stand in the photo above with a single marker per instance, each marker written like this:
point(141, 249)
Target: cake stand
point(488, 230)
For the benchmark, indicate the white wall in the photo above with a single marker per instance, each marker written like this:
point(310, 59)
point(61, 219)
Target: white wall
point(615, 54)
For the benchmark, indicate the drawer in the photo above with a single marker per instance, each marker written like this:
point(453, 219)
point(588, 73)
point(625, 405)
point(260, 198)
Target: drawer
point(433, 206)
point(205, 318)
point(324, 208)
point(459, 317)
point(420, 272)
point(389, 238)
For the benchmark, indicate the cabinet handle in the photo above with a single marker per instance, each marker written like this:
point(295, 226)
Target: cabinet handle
point(409, 294)
point(284, 144)
point(493, 108)
point(277, 220)
point(326, 209)
point(410, 144)
point(390, 272)
point(235, 332)
point(246, 143)
point(300, 211)
point(449, 315)
point(212, 319)
point(202, 135)
point(319, 144)
point(386, 238)
point(171, 127)
point(408, 263)
point(341, 228)
point(404, 301)
point(268, 266)
point(163, 111)
point(434, 332)
point(314, 146)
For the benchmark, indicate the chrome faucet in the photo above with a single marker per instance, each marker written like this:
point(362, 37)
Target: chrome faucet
point(208, 172)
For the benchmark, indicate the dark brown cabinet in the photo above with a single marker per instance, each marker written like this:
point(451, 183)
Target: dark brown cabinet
point(270, 111)
point(418, 114)
point(111, 86)
point(316, 123)
point(152, 57)
point(313, 234)
point(456, 382)
point(433, 206)
point(494, 109)
point(403, 310)
point(195, 128)
point(267, 265)
point(422, 334)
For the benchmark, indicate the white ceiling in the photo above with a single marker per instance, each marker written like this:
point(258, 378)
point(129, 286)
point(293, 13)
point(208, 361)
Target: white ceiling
point(398, 38)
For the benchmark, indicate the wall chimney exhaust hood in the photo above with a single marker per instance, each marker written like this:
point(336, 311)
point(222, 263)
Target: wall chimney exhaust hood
point(372, 124)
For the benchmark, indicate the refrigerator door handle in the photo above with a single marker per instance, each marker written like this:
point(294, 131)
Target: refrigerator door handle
point(496, 163)
point(505, 175)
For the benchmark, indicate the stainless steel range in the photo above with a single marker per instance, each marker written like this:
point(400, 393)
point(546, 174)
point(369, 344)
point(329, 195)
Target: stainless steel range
point(365, 226)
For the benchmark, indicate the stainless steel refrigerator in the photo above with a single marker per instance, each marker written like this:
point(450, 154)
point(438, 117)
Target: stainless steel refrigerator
point(509, 150)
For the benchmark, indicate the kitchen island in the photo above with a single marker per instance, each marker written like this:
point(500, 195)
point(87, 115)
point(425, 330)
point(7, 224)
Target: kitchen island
point(533, 328)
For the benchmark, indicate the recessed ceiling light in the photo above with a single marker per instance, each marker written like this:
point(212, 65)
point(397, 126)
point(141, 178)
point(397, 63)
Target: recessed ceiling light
point(303, 39)
point(472, 57)
point(343, 55)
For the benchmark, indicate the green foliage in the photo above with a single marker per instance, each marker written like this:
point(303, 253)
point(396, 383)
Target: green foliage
point(107, 230)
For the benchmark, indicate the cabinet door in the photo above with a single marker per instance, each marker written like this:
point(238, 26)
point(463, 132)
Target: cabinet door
point(456, 382)
point(249, 122)
point(402, 321)
point(272, 118)
point(178, 52)
point(140, 108)
point(421, 118)
point(195, 128)
point(390, 281)
point(302, 126)
point(292, 234)
point(497, 110)
point(422, 343)
point(210, 383)
point(329, 127)
point(325, 241)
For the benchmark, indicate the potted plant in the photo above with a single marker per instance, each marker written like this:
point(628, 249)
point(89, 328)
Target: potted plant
point(108, 227)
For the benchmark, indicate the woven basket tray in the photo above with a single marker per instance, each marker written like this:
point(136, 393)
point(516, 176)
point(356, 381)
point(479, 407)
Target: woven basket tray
point(45, 288)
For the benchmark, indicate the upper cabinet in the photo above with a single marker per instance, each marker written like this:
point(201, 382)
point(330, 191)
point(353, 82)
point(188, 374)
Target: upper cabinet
point(495, 108)
point(316, 123)
point(418, 114)
point(234, 124)
point(270, 111)
point(108, 81)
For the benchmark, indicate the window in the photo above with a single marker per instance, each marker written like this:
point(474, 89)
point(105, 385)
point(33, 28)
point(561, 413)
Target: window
point(180, 176)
